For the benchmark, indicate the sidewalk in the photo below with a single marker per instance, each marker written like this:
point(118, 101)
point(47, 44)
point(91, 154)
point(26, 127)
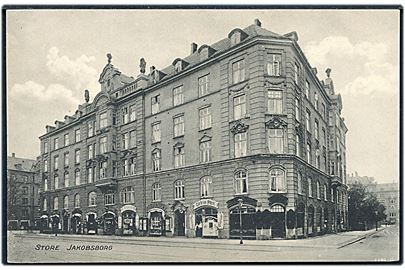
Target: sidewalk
point(337, 240)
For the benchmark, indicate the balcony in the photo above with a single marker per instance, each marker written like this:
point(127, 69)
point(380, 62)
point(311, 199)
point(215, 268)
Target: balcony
point(106, 183)
point(336, 181)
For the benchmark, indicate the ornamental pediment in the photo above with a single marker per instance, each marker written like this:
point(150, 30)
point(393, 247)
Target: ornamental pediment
point(276, 82)
point(239, 87)
point(276, 122)
point(239, 127)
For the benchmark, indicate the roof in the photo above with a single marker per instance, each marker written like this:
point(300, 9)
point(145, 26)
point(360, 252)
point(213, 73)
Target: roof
point(26, 164)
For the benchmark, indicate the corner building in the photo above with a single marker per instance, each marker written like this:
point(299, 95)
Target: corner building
point(239, 128)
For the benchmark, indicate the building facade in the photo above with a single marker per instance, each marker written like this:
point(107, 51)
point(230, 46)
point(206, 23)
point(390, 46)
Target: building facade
point(388, 195)
point(239, 129)
point(22, 193)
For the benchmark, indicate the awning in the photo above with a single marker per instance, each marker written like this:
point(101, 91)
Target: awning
point(77, 215)
point(44, 216)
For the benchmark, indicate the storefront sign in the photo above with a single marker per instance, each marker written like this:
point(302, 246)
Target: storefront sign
point(128, 208)
point(205, 202)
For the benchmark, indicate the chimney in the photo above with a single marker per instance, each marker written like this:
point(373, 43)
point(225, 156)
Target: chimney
point(193, 47)
point(151, 69)
point(13, 154)
point(258, 22)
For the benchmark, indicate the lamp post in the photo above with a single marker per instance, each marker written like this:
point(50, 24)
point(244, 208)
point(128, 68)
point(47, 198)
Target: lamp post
point(240, 220)
point(376, 222)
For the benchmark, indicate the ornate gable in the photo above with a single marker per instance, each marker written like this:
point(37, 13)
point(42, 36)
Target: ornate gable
point(276, 122)
point(239, 127)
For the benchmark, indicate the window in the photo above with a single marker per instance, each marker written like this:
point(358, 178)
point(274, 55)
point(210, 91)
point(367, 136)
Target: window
point(203, 85)
point(324, 136)
point(324, 111)
point(56, 143)
point(239, 107)
point(155, 104)
point(296, 73)
point(325, 195)
point(316, 130)
point(77, 177)
point(235, 38)
point(66, 202)
point(66, 138)
point(275, 101)
point(240, 144)
point(77, 135)
point(178, 96)
point(179, 159)
point(90, 175)
point(90, 128)
point(297, 146)
point(128, 195)
point(66, 159)
point(277, 180)
point(318, 190)
point(92, 199)
point(178, 190)
point(178, 66)
point(317, 158)
point(178, 124)
point(46, 184)
point(24, 190)
point(77, 156)
point(310, 187)
point(205, 118)
point(273, 65)
point(156, 192)
point(45, 165)
point(125, 140)
point(126, 167)
point(206, 186)
point(103, 169)
point(155, 132)
point(103, 120)
point(297, 109)
point(67, 179)
point(205, 151)
point(276, 138)
point(45, 147)
point(316, 101)
point(238, 71)
point(55, 203)
point(109, 199)
point(132, 164)
point(132, 139)
point(309, 153)
point(132, 113)
point(90, 150)
point(241, 184)
point(77, 201)
point(125, 115)
point(55, 163)
point(24, 201)
point(45, 205)
point(156, 161)
point(299, 180)
point(307, 90)
point(308, 120)
point(103, 145)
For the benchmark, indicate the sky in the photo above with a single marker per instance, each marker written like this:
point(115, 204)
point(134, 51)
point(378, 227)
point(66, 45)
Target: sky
point(53, 55)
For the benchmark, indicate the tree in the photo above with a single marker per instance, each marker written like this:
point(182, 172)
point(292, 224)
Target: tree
point(363, 206)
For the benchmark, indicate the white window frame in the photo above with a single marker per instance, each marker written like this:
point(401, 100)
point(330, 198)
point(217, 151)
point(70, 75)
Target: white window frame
point(178, 95)
point(77, 156)
point(156, 192)
point(310, 191)
point(103, 145)
point(206, 187)
point(178, 126)
point(132, 112)
point(156, 160)
point(274, 101)
point(274, 64)
point(205, 118)
point(179, 190)
point(241, 182)
point(203, 85)
point(240, 142)
point(103, 120)
point(109, 199)
point(77, 135)
point(155, 104)
point(238, 71)
point(56, 143)
point(239, 107)
point(92, 198)
point(205, 151)
point(66, 139)
point(276, 140)
point(156, 133)
point(277, 181)
point(77, 201)
point(179, 157)
point(77, 178)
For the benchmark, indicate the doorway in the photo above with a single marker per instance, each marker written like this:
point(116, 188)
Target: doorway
point(180, 218)
point(277, 221)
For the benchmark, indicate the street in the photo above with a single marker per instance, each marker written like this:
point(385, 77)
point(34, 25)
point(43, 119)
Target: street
point(376, 246)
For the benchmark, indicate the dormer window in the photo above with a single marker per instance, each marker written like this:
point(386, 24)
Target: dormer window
point(236, 36)
point(179, 64)
point(178, 67)
point(205, 52)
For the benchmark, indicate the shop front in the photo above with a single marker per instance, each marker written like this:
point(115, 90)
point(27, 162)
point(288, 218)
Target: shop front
point(242, 217)
point(55, 223)
point(206, 217)
point(300, 220)
point(44, 223)
point(311, 220)
point(108, 223)
point(156, 218)
point(65, 221)
point(76, 221)
point(128, 220)
point(91, 223)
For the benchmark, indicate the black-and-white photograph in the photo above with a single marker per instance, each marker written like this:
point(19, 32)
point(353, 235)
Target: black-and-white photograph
point(212, 135)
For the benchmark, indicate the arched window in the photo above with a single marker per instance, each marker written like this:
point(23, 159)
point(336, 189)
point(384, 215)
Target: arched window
point(92, 199)
point(299, 183)
point(66, 202)
point(55, 203)
point(77, 201)
point(156, 192)
point(325, 188)
point(178, 190)
point(128, 195)
point(206, 186)
point(310, 187)
point(277, 208)
point(277, 180)
point(241, 182)
point(45, 205)
point(66, 179)
point(318, 190)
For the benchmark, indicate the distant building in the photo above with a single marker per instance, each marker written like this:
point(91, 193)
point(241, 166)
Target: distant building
point(242, 128)
point(367, 181)
point(388, 195)
point(22, 192)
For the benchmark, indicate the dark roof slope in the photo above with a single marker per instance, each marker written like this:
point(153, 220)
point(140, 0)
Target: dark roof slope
point(26, 164)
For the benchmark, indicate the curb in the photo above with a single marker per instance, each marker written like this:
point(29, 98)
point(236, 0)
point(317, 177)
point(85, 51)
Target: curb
point(360, 238)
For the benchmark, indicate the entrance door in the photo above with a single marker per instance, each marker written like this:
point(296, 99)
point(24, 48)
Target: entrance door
point(66, 224)
point(248, 222)
point(76, 226)
point(156, 224)
point(180, 228)
point(109, 224)
point(91, 224)
point(277, 221)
